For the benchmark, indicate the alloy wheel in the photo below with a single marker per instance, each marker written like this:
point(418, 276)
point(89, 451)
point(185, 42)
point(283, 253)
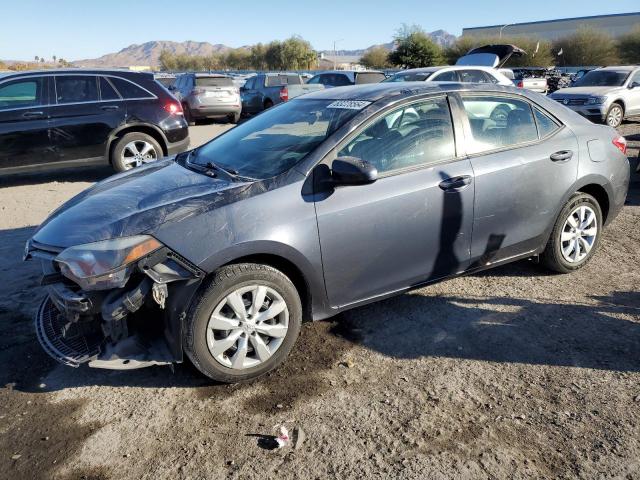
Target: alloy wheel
point(579, 234)
point(614, 118)
point(137, 153)
point(247, 327)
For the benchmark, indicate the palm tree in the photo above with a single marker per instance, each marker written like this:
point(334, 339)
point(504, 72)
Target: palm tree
point(54, 59)
point(37, 58)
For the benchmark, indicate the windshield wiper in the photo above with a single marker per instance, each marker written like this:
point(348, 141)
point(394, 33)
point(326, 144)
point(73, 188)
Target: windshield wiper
point(229, 171)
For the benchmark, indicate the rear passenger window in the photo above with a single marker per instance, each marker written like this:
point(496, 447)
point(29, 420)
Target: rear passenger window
point(129, 90)
point(106, 90)
point(473, 76)
point(498, 122)
point(340, 80)
point(369, 77)
point(450, 76)
point(76, 89)
point(415, 135)
point(21, 93)
point(546, 126)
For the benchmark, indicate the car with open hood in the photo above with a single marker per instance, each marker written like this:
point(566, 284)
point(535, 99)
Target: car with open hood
point(335, 199)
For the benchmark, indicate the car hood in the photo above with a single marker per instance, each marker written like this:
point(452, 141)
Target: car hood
point(136, 202)
point(490, 55)
point(583, 91)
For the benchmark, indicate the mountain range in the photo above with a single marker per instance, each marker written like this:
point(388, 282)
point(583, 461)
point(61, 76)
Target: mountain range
point(148, 53)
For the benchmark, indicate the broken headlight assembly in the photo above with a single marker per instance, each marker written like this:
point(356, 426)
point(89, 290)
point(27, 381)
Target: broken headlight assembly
point(106, 264)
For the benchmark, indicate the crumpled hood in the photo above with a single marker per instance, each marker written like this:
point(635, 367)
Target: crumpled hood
point(135, 202)
point(583, 92)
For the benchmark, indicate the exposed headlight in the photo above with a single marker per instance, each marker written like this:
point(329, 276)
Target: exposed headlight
point(596, 100)
point(106, 264)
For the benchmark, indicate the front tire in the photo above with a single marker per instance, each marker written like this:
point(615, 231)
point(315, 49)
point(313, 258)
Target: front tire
point(243, 323)
point(575, 236)
point(615, 115)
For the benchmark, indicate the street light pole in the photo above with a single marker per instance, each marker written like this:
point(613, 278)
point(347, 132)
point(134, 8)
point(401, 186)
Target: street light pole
point(503, 27)
point(335, 52)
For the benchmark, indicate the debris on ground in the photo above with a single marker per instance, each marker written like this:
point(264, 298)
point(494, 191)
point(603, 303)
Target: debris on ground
point(283, 437)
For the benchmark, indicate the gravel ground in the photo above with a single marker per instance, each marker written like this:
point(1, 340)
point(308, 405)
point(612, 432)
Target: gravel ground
point(512, 373)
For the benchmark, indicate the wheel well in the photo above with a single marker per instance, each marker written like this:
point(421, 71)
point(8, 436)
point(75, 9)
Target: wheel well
point(290, 270)
point(267, 101)
point(621, 103)
point(142, 129)
point(600, 194)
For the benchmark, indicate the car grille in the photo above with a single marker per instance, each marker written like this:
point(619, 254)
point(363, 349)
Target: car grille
point(70, 343)
point(572, 101)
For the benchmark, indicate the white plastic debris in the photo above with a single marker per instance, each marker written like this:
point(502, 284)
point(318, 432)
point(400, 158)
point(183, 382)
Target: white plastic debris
point(283, 437)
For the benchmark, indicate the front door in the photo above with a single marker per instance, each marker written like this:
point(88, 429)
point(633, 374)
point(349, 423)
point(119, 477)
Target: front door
point(410, 226)
point(24, 124)
point(81, 121)
point(524, 162)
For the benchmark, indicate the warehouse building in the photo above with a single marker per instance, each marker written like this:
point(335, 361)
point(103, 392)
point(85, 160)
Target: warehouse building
point(616, 25)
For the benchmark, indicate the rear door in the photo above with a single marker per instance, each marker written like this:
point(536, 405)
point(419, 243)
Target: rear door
point(410, 226)
point(86, 110)
point(24, 124)
point(524, 162)
point(251, 98)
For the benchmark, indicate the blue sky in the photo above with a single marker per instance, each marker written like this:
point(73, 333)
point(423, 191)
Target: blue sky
point(76, 29)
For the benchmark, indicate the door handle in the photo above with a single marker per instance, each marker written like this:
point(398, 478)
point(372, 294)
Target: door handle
point(455, 183)
point(33, 114)
point(109, 108)
point(561, 156)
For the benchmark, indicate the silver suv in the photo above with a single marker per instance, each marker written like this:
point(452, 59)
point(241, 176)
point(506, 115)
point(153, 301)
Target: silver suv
point(608, 94)
point(206, 95)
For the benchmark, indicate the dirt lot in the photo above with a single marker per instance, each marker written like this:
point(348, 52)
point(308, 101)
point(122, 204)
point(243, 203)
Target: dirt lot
point(512, 373)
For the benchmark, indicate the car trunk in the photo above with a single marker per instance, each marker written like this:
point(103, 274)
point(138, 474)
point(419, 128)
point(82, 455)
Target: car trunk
point(215, 90)
point(490, 55)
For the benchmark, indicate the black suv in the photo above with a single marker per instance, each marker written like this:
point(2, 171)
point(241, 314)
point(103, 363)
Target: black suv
point(62, 118)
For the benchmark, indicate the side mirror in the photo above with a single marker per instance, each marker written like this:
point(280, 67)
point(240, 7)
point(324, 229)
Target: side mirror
point(352, 171)
point(634, 85)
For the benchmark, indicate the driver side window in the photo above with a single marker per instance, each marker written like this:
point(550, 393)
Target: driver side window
point(414, 135)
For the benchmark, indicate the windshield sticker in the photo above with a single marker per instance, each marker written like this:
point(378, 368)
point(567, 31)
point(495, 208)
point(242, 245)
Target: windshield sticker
point(349, 104)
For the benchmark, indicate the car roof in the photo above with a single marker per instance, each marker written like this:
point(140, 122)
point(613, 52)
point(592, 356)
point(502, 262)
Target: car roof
point(211, 75)
point(79, 71)
point(620, 68)
point(449, 67)
point(373, 92)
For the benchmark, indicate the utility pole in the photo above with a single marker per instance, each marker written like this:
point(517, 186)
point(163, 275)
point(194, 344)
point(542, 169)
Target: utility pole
point(503, 27)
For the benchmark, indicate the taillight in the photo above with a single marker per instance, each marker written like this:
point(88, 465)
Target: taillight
point(284, 94)
point(621, 144)
point(520, 84)
point(173, 108)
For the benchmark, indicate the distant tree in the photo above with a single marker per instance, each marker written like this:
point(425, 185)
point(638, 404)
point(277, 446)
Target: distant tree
point(377, 57)
point(54, 59)
point(629, 46)
point(167, 61)
point(298, 54)
point(415, 49)
point(258, 52)
point(587, 46)
point(37, 58)
point(41, 59)
point(274, 56)
point(543, 57)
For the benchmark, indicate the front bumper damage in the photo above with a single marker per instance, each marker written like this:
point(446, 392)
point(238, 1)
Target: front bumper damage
point(132, 327)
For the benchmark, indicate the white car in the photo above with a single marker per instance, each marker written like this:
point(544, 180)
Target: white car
point(479, 65)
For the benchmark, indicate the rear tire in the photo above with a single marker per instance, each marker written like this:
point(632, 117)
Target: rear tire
point(187, 115)
point(124, 156)
point(234, 118)
point(216, 335)
point(575, 236)
point(268, 104)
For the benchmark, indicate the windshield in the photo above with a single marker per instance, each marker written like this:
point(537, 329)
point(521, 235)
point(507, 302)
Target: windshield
point(276, 140)
point(409, 77)
point(602, 78)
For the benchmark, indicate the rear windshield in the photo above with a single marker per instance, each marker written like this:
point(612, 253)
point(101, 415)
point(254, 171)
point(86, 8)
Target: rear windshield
point(369, 77)
point(602, 78)
point(165, 81)
point(214, 82)
point(409, 77)
point(278, 80)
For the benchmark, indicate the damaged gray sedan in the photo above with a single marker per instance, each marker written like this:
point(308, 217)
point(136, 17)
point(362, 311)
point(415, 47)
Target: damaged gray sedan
point(333, 200)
